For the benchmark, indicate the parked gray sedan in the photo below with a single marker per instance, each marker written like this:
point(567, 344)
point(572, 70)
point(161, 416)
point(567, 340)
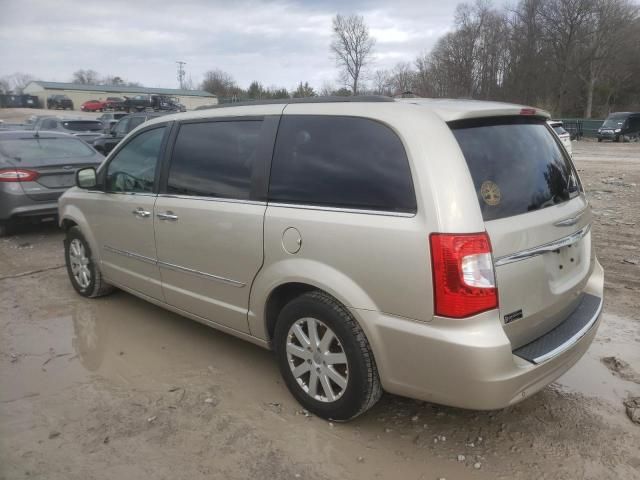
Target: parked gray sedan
point(35, 169)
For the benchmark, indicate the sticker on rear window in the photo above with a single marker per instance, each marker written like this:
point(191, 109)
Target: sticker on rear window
point(490, 193)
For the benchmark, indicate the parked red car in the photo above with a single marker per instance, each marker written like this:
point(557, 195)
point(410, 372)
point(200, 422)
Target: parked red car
point(92, 106)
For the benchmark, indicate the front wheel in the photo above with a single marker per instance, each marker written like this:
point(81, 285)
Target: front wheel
point(83, 271)
point(325, 358)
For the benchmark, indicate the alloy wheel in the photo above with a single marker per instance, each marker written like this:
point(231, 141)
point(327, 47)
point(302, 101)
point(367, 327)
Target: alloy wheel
point(317, 360)
point(79, 263)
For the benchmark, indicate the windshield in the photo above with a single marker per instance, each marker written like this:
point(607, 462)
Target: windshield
point(614, 122)
point(516, 164)
point(42, 149)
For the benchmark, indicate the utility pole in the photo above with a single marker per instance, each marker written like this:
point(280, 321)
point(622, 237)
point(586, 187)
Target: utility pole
point(181, 73)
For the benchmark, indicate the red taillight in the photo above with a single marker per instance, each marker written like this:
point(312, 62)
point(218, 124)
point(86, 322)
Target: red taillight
point(463, 277)
point(528, 111)
point(17, 175)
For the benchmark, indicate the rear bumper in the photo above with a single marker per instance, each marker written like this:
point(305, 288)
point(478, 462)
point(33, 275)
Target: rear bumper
point(465, 363)
point(15, 204)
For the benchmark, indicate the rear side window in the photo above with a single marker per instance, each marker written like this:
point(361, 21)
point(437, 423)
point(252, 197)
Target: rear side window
point(135, 122)
point(344, 162)
point(516, 164)
point(214, 159)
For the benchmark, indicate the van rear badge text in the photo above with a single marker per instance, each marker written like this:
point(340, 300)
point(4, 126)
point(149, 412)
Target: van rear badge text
point(510, 317)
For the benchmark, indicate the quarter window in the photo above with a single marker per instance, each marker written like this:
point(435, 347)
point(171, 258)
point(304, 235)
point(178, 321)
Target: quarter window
point(344, 162)
point(214, 159)
point(133, 168)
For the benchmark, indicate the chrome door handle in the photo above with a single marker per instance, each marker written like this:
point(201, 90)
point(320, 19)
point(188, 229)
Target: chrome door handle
point(141, 213)
point(168, 215)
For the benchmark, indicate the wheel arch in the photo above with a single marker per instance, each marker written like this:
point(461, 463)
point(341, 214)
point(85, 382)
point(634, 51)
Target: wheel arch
point(283, 281)
point(71, 216)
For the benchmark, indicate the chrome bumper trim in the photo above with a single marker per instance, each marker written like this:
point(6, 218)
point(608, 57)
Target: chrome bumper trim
point(547, 247)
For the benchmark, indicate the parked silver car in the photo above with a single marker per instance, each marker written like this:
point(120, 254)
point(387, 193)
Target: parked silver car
point(35, 169)
point(84, 129)
point(437, 249)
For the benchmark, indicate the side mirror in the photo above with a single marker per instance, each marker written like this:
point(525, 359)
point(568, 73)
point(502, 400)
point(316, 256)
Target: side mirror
point(86, 178)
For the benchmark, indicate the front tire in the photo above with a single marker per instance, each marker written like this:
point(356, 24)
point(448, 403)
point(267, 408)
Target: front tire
point(325, 358)
point(84, 273)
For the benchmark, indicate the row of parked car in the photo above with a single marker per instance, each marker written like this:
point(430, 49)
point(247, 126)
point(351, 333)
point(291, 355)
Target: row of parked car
point(138, 103)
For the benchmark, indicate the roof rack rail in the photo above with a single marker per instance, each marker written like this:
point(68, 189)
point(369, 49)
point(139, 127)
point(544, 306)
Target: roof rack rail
point(286, 101)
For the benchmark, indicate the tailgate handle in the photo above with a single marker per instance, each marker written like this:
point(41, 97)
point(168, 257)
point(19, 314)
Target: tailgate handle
point(547, 247)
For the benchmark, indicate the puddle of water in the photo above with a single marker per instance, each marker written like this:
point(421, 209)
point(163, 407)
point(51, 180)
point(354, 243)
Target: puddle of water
point(128, 341)
point(617, 336)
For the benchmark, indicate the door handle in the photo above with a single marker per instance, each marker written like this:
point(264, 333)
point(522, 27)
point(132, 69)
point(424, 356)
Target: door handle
point(168, 215)
point(141, 212)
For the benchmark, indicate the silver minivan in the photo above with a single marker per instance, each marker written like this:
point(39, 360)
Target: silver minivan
point(436, 249)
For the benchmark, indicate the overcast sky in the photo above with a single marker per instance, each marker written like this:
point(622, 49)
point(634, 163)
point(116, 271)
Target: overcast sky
point(278, 43)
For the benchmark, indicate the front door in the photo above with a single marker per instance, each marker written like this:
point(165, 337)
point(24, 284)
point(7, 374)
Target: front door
point(124, 219)
point(209, 225)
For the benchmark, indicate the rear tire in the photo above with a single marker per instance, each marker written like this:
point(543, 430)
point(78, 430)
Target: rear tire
point(357, 387)
point(599, 140)
point(84, 273)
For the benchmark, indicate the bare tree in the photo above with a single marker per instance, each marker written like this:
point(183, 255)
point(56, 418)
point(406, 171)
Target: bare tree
point(609, 26)
point(15, 82)
point(5, 86)
point(114, 80)
point(327, 89)
point(86, 77)
point(382, 83)
point(402, 78)
point(219, 83)
point(352, 47)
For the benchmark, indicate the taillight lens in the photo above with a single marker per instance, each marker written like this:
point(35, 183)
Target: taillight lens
point(463, 277)
point(17, 175)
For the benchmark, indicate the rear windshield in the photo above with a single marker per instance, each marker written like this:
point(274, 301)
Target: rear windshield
point(83, 125)
point(34, 149)
point(516, 164)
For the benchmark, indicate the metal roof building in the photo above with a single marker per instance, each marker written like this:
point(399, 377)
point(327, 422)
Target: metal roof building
point(80, 93)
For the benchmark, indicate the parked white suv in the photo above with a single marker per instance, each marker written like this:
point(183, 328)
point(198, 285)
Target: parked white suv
point(563, 135)
point(437, 249)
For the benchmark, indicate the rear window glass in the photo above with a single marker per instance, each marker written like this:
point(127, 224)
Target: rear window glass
point(344, 162)
point(83, 125)
point(29, 149)
point(214, 159)
point(516, 164)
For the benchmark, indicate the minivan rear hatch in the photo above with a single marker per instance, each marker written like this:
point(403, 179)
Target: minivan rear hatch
point(537, 219)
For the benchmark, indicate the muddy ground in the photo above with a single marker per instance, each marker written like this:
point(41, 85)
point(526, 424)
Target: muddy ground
point(116, 388)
